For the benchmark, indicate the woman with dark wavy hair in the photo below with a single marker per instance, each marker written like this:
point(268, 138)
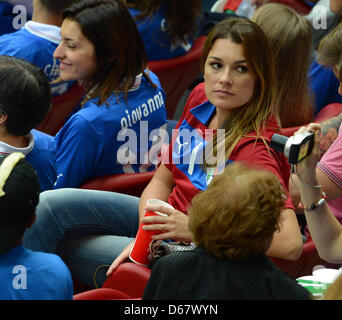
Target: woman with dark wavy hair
point(101, 49)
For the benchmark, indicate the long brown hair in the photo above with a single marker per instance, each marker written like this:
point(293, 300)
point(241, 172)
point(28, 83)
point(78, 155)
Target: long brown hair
point(180, 15)
point(255, 113)
point(290, 36)
point(120, 52)
point(329, 52)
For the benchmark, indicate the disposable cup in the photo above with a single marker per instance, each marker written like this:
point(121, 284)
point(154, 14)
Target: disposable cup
point(142, 246)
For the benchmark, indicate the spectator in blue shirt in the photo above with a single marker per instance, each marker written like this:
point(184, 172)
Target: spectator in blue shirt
point(101, 49)
point(38, 38)
point(24, 102)
point(24, 274)
point(167, 27)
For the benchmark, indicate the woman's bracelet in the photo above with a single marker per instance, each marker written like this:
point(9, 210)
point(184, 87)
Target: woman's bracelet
point(314, 205)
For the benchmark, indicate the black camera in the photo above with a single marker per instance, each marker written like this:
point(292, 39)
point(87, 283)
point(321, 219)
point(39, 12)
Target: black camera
point(295, 148)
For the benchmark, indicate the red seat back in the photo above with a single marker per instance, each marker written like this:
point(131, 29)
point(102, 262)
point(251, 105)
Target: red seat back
point(329, 111)
point(101, 294)
point(62, 106)
point(128, 183)
point(177, 74)
point(129, 278)
point(306, 262)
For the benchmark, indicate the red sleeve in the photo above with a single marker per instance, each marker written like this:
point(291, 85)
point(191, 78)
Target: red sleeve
point(257, 154)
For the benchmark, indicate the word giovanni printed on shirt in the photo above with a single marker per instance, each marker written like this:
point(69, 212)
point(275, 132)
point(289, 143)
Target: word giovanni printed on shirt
point(145, 109)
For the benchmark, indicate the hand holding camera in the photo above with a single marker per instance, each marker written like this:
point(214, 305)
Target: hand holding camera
point(295, 148)
point(303, 145)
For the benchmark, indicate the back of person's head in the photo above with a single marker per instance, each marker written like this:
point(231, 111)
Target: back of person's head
point(237, 215)
point(24, 95)
point(19, 196)
point(329, 52)
point(257, 51)
point(290, 36)
point(180, 15)
point(56, 6)
point(120, 52)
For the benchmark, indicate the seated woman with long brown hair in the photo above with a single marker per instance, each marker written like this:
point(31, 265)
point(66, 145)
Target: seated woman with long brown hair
point(290, 36)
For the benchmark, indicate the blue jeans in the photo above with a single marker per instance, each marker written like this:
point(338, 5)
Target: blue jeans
point(87, 228)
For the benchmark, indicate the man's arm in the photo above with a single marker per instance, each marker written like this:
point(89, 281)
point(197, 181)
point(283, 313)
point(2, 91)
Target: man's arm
point(329, 132)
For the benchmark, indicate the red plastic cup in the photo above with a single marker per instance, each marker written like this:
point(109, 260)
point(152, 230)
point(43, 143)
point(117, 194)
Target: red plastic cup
point(142, 243)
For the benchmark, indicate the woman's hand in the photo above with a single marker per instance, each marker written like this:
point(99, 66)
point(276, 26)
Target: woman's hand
point(120, 259)
point(173, 226)
point(306, 169)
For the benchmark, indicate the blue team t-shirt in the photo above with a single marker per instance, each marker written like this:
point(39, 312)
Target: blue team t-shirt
point(43, 159)
point(36, 43)
point(154, 33)
point(40, 152)
point(28, 275)
point(6, 18)
point(324, 86)
point(118, 138)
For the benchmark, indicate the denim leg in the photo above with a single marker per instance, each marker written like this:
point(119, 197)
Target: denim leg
point(84, 256)
point(71, 213)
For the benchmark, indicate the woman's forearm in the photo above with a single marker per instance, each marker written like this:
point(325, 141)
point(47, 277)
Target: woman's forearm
point(160, 188)
point(324, 228)
point(287, 243)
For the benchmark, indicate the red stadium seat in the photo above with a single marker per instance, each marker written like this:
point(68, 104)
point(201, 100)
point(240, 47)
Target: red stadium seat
point(329, 111)
point(130, 279)
point(62, 106)
point(101, 294)
point(177, 74)
point(306, 262)
point(128, 183)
